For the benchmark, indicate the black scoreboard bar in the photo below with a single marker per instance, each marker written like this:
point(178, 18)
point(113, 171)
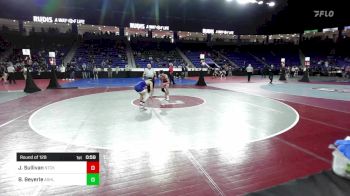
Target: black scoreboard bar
point(49, 156)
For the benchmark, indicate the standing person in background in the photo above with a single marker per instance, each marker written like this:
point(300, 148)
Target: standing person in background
point(183, 71)
point(226, 68)
point(103, 64)
point(271, 73)
point(83, 67)
point(186, 71)
point(292, 72)
point(266, 70)
point(95, 72)
point(1, 72)
point(171, 73)
point(62, 69)
point(109, 70)
point(347, 72)
point(262, 72)
point(72, 72)
point(127, 70)
point(89, 69)
point(230, 71)
point(249, 70)
point(67, 71)
point(287, 71)
point(11, 74)
point(222, 72)
point(117, 69)
point(296, 73)
point(25, 69)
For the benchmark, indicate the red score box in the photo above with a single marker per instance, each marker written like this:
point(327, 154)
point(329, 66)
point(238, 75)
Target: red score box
point(93, 167)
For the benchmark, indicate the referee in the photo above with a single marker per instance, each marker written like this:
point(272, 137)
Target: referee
point(249, 70)
point(149, 73)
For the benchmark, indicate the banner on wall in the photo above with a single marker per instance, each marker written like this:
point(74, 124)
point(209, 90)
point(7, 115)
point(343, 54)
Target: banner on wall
point(52, 58)
point(149, 27)
point(307, 61)
point(49, 19)
point(283, 62)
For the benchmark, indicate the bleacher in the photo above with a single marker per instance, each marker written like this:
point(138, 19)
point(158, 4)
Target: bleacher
point(193, 52)
point(318, 50)
point(4, 44)
point(96, 50)
point(266, 55)
point(290, 53)
point(272, 54)
point(40, 44)
point(103, 50)
point(158, 54)
point(242, 59)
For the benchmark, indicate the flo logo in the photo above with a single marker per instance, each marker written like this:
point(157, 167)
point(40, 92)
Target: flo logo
point(324, 13)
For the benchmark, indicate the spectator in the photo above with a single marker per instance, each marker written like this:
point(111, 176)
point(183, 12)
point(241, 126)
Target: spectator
point(61, 69)
point(109, 70)
point(89, 70)
point(230, 71)
point(95, 72)
point(186, 71)
point(66, 72)
point(17, 65)
point(71, 72)
point(117, 69)
point(347, 72)
point(292, 72)
point(262, 72)
point(296, 72)
point(84, 71)
point(25, 70)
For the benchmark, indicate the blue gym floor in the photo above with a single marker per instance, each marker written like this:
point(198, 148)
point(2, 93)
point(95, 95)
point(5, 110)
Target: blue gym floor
point(117, 82)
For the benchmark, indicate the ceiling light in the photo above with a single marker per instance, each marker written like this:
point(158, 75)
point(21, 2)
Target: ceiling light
point(271, 4)
point(242, 1)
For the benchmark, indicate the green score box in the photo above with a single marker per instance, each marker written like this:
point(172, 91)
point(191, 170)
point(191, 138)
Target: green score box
point(93, 179)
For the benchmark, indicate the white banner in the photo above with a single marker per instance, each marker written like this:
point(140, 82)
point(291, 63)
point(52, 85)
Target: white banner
point(224, 32)
point(149, 27)
point(330, 29)
point(26, 52)
point(208, 31)
point(52, 54)
point(49, 19)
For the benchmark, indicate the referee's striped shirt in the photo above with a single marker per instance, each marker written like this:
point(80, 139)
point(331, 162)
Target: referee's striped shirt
point(149, 73)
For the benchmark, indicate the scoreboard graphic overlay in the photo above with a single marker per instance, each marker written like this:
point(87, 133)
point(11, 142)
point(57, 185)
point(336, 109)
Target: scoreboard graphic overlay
point(58, 169)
